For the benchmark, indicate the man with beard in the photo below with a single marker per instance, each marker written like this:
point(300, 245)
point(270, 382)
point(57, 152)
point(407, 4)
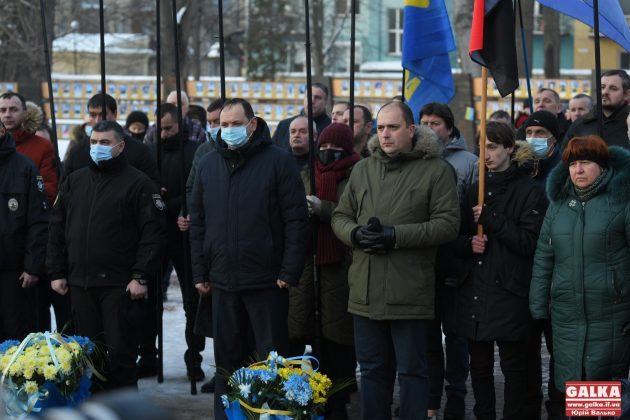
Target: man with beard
point(137, 154)
point(172, 139)
point(615, 94)
point(362, 128)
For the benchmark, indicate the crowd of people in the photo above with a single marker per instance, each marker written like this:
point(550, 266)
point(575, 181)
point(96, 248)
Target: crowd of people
point(371, 255)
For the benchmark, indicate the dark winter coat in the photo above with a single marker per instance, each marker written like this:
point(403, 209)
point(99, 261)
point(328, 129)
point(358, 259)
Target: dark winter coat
point(615, 128)
point(581, 276)
point(493, 299)
point(415, 192)
point(107, 226)
point(138, 156)
point(23, 212)
point(43, 155)
point(248, 216)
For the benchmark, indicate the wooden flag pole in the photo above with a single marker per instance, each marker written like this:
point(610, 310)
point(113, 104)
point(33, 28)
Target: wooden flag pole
point(482, 142)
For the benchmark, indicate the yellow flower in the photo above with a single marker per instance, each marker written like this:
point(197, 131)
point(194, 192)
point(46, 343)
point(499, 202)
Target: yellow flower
point(66, 367)
point(320, 385)
point(28, 372)
point(50, 372)
point(30, 387)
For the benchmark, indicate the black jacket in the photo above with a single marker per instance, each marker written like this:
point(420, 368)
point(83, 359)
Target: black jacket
point(171, 179)
point(137, 153)
point(23, 212)
point(493, 300)
point(107, 226)
point(248, 216)
point(615, 128)
point(281, 135)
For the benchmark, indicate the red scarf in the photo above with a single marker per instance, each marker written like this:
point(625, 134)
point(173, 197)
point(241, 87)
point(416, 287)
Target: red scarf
point(330, 249)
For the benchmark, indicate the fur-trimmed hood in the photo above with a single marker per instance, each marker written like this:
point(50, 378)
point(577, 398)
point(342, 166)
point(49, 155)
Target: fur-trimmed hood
point(559, 184)
point(426, 146)
point(33, 118)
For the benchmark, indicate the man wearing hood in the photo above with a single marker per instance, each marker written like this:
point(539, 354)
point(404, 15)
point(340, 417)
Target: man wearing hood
point(439, 118)
point(615, 86)
point(172, 139)
point(24, 227)
point(248, 223)
point(398, 207)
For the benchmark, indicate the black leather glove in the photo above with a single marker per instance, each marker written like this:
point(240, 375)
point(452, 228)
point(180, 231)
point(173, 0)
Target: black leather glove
point(384, 239)
point(363, 237)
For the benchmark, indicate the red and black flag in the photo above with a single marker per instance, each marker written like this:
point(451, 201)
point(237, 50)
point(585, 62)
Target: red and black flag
point(493, 42)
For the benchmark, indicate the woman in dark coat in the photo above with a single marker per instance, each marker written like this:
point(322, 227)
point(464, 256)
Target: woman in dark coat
point(493, 299)
point(335, 159)
point(581, 276)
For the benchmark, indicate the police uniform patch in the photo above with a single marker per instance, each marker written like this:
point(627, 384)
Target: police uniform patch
point(40, 183)
point(158, 202)
point(13, 204)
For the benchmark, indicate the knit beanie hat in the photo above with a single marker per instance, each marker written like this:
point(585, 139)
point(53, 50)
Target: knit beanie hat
point(338, 134)
point(546, 120)
point(137, 116)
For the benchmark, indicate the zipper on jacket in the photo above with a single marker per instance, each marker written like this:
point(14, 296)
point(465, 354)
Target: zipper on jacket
point(614, 286)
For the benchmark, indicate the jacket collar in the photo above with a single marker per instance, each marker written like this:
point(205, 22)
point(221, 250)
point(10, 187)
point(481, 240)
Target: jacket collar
point(7, 146)
point(110, 166)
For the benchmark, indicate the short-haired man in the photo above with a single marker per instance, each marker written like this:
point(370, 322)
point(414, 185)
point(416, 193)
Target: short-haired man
point(194, 131)
point(107, 234)
point(399, 205)
point(338, 109)
point(439, 118)
point(615, 86)
point(19, 122)
point(137, 154)
point(362, 128)
point(298, 140)
point(579, 105)
point(548, 100)
point(24, 227)
point(320, 99)
point(248, 224)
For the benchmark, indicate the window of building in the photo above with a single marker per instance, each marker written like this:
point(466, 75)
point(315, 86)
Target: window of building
point(395, 31)
point(625, 60)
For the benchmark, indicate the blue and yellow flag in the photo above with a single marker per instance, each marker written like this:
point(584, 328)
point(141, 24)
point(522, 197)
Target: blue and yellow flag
point(427, 40)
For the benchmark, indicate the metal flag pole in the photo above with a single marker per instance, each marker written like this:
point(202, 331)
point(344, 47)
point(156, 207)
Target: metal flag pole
point(221, 50)
point(353, 19)
point(101, 18)
point(482, 143)
point(158, 151)
point(51, 101)
point(180, 122)
point(525, 61)
point(311, 166)
point(598, 69)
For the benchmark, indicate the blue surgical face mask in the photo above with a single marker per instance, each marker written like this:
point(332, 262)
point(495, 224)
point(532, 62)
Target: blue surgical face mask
point(88, 130)
point(100, 153)
point(213, 131)
point(235, 137)
point(539, 144)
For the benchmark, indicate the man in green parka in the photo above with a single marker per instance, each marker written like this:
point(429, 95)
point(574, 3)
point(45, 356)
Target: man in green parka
point(400, 204)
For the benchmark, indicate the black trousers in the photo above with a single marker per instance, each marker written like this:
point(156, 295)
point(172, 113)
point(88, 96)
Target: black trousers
point(18, 307)
point(516, 365)
point(266, 310)
point(195, 343)
point(109, 317)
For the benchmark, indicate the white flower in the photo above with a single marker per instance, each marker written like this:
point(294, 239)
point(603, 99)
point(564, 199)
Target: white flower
point(225, 401)
point(244, 390)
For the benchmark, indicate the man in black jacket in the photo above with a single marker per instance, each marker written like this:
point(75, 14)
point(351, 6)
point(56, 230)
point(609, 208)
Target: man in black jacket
point(248, 224)
point(615, 85)
point(107, 235)
point(137, 153)
point(24, 227)
point(172, 139)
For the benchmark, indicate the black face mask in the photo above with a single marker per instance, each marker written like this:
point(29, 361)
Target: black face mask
point(328, 156)
point(138, 136)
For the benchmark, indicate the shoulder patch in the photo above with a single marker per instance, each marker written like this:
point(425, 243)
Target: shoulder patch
point(13, 204)
point(158, 202)
point(40, 183)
